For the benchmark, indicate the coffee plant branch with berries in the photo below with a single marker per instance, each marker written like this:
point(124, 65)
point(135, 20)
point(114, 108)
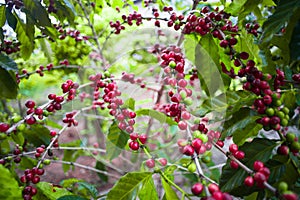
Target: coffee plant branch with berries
point(169, 99)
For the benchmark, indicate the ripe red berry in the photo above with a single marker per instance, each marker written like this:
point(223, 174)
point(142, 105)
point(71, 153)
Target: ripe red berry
point(182, 125)
point(30, 104)
point(233, 148)
point(197, 189)
point(133, 136)
point(220, 143)
point(257, 165)
point(134, 145)
point(283, 150)
point(196, 143)
point(239, 155)
point(150, 163)
point(212, 188)
point(244, 55)
point(249, 181)
point(163, 161)
point(4, 127)
point(188, 150)
point(132, 114)
point(35, 179)
point(259, 177)
point(143, 138)
point(234, 165)
point(218, 195)
point(31, 120)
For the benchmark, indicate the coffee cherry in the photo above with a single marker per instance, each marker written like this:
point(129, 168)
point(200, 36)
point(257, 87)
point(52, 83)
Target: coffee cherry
point(163, 161)
point(4, 127)
point(30, 104)
point(197, 189)
point(203, 137)
point(47, 162)
point(290, 137)
point(150, 163)
point(134, 145)
point(282, 186)
point(212, 188)
point(249, 181)
point(143, 138)
point(234, 165)
point(257, 165)
point(196, 143)
point(259, 177)
point(239, 155)
point(283, 150)
point(133, 136)
point(35, 179)
point(218, 195)
point(188, 150)
point(233, 148)
point(288, 195)
point(182, 125)
point(192, 167)
point(220, 143)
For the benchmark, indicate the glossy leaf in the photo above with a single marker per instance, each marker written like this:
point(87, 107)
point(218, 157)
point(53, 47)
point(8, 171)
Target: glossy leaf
point(283, 14)
point(69, 182)
point(37, 12)
point(148, 190)
point(235, 7)
point(101, 166)
point(50, 192)
point(90, 188)
point(8, 85)
point(127, 184)
point(7, 63)
point(129, 103)
point(11, 19)
point(116, 141)
point(170, 194)
point(72, 197)
point(2, 15)
point(65, 10)
point(232, 180)
point(25, 34)
point(18, 138)
point(27, 163)
point(161, 117)
point(37, 135)
point(9, 186)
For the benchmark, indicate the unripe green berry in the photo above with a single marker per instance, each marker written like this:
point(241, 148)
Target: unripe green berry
point(282, 187)
point(172, 64)
point(192, 167)
point(290, 137)
point(47, 162)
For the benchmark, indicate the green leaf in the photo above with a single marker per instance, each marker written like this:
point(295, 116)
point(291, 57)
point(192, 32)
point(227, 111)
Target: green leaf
point(69, 182)
point(101, 166)
point(4, 146)
point(161, 117)
point(9, 186)
point(232, 180)
point(283, 14)
point(52, 124)
point(18, 138)
point(116, 140)
point(148, 191)
point(70, 155)
point(170, 194)
point(7, 63)
point(25, 34)
point(116, 3)
point(8, 85)
point(91, 188)
point(50, 192)
point(127, 184)
point(72, 197)
point(27, 163)
point(235, 7)
point(2, 15)
point(37, 12)
point(37, 135)
point(129, 103)
point(11, 19)
point(247, 44)
point(65, 10)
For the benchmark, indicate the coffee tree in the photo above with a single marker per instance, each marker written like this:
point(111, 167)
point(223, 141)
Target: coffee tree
point(173, 99)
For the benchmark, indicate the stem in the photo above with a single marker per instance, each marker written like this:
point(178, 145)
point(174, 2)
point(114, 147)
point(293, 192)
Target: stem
point(86, 167)
point(79, 148)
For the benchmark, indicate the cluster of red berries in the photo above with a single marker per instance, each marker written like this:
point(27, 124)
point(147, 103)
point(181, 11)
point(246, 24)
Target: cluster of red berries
point(69, 119)
point(10, 47)
point(70, 87)
point(136, 140)
point(72, 33)
point(296, 78)
point(198, 190)
point(238, 154)
point(260, 176)
point(128, 19)
point(16, 152)
point(130, 78)
point(33, 176)
point(55, 103)
point(252, 28)
point(150, 163)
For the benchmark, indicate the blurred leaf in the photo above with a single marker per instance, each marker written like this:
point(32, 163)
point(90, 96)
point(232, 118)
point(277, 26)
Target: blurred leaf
point(148, 191)
point(27, 163)
point(37, 135)
point(65, 10)
point(11, 19)
point(48, 191)
point(101, 166)
point(289, 99)
point(9, 186)
point(282, 15)
point(2, 15)
point(4, 146)
point(25, 34)
point(69, 182)
point(161, 117)
point(235, 7)
point(127, 184)
point(295, 43)
point(116, 3)
point(37, 12)
point(91, 188)
point(52, 124)
point(129, 103)
point(251, 129)
point(116, 140)
point(232, 180)
point(7, 63)
point(18, 138)
point(8, 85)
point(72, 197)
point(71, 155)
point(170, 194)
